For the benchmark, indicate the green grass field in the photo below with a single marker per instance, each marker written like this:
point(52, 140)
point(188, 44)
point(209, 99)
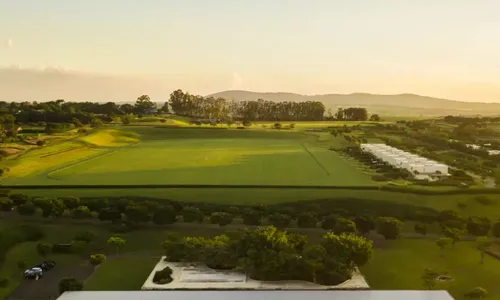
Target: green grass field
point(151, 155)
point(400, 265)
point(121, 274)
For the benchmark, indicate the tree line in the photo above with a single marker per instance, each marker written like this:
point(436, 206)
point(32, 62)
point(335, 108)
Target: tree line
point(197, 106)
point(180, 103)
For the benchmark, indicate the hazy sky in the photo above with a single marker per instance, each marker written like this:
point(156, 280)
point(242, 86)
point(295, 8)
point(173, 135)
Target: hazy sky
point(444, 48)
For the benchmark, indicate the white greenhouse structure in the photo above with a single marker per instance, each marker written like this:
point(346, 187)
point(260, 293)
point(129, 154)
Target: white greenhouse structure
point(404, 160)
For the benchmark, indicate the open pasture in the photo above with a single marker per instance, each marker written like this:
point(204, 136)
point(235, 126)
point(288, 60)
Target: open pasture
point(155, 155)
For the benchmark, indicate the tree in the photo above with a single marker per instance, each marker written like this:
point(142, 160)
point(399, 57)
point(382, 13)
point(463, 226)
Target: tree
point(482, 243)
point(26, 209)
point(192, 214)
point(69, 284)
point(85, 236)
point(442, 243)
point(77, 122)
point(344, 225)
point(117, 242)
point(454, 233)
point(280, 220)
point(478, 226)
point(96, 123)
point(43, 249)
point(477, 293)
point(348, 246)
point(164, 108)
point(97, 259)
point(144, 105)
point(430, 278)
point(164, 215)
point(307, 220)
point(329, 222)
point(389, 227)
point(375, 118)
point(364, 224)
point(137, 214)
point(127, 119)
point(82, 212)
point(252, 217)
point(70, 202)
point(221, 218)
point(421, 228)
point(19, 199)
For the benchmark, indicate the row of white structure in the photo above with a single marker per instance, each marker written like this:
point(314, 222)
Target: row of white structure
point(405, 160)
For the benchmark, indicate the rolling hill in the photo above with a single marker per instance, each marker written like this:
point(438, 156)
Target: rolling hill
point(402, 104)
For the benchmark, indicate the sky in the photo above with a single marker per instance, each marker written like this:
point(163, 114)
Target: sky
point(445, 48)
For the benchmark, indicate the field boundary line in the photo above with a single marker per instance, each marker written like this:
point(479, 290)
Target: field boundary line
point(315, 159)
point(49, 174)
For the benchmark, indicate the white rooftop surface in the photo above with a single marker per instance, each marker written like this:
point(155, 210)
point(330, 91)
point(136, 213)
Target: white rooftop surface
point(191, 276)
point(253, 295)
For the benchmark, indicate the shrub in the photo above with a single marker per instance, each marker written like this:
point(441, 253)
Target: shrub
point(277, 126)
point(221, 218)
point(240, 127)
point(19, 199)
point(164, 215)
point(292, 125)
point(163, 120)
point(307, 220)
point(69, 284)
point(83, 130)
point(40, 143)
point(421, 228)
point(163, 276)
point(70, 202)
point(389, 227)
point(477, 293)
point(97, 259)
point(246, 123)
point(6, 204)
point(27, 209)
point(82, 212)
point(192, 214)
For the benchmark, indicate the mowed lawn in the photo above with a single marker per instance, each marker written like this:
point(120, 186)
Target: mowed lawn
point(121, 274)
point(207, 156)
point(400, 265)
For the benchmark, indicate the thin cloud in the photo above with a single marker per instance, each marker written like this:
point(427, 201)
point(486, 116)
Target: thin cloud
point(10, 43)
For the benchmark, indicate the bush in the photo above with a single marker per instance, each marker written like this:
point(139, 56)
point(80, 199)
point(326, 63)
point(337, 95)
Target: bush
point(164, 215)
point(389, 227)
point(19, 199)
point(82, 212)
point(421, 228)
point(477, 293)
point(40, 143)
point(163, 120)
point(246, 123)
point(240, 127)
point(69, 284)
point(97, 259)
point(78, 246)
point(221, 218)
point(27, 209)
point(307, 220)
point(192, 214)
point(277, 126)
point(163, 276)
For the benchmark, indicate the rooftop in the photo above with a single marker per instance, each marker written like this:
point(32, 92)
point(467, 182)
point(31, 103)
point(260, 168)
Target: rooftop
point(261, 295)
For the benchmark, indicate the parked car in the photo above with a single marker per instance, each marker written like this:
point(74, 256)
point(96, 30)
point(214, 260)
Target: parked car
point(36, 272)
point(33, 273)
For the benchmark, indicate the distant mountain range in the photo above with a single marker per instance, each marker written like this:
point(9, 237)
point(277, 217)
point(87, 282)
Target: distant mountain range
point(18, 84)
point(402, 104)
